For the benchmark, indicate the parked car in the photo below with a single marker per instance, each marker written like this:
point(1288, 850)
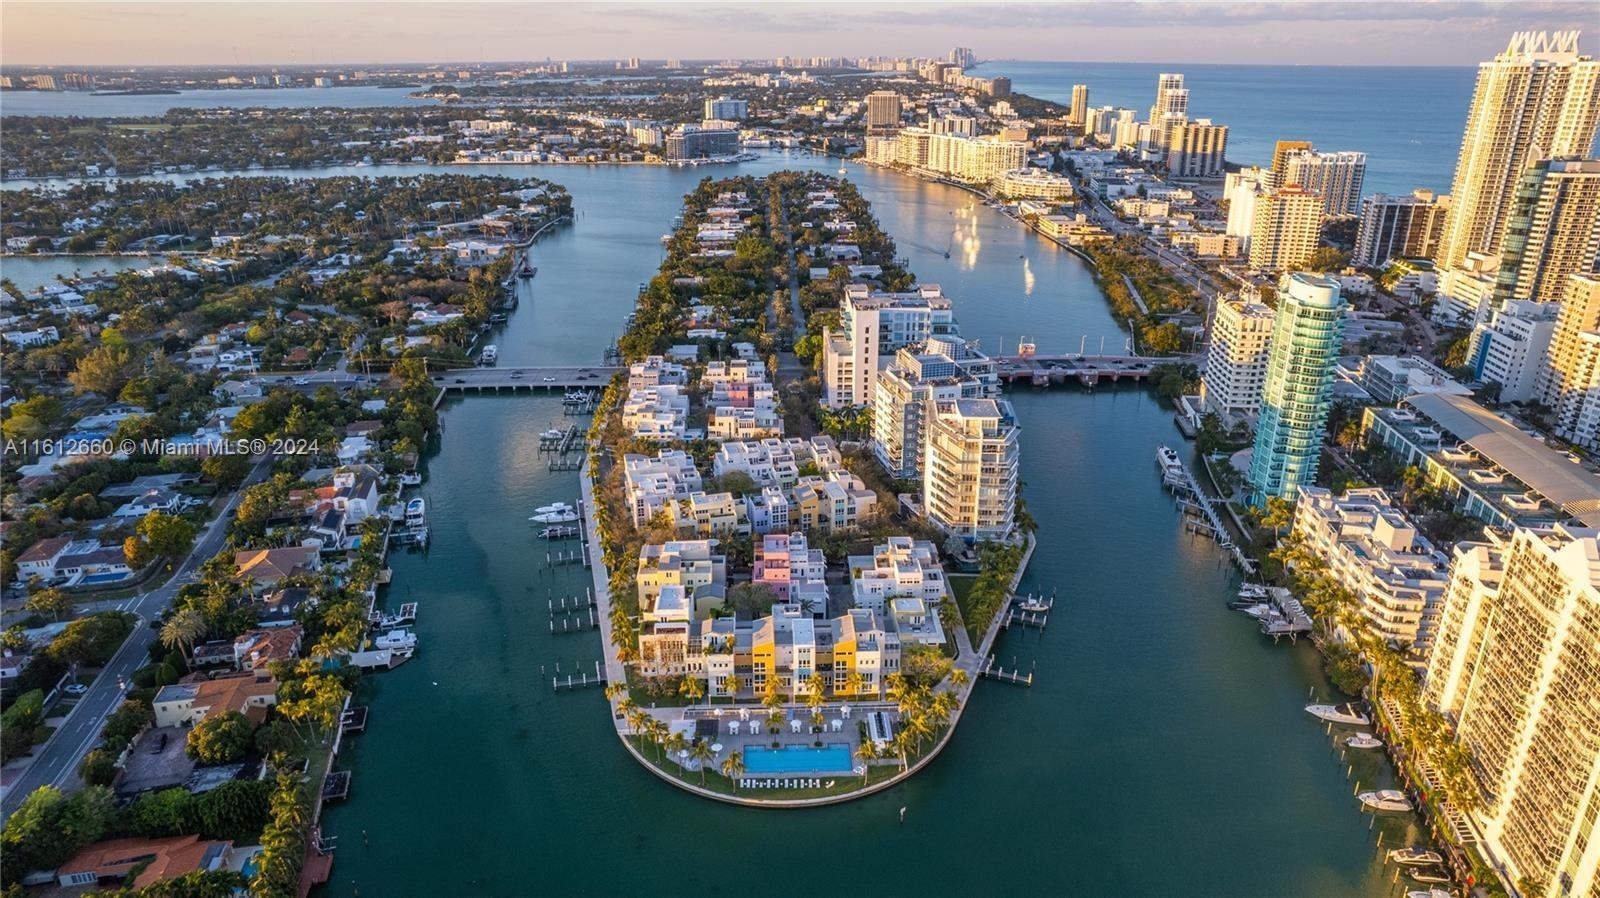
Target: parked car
point(75, 689)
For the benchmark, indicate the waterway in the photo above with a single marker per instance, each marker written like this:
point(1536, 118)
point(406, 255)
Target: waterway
point(1163, 749)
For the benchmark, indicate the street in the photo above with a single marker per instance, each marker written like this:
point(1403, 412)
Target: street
point(56, 763)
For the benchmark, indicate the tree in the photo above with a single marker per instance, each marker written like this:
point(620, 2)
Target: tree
point(276, 737)
point(19, 723)
point(236, 810)
point(167, 534)
point(675, 743)
point(220, 738)
point(104, 370)
point(137, 552)
point(99, 767)
point(692, 688)
point(169, 812)
point(183, 629)
point(282, 842)
point(53, 601)
point(703, 755)
point(92, 640)
point(750, 600)
point(49, 827)
point(227, 470)
point(866, 753)
point(733, 768)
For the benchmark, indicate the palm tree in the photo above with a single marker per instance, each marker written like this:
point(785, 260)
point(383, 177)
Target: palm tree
point(866, 753)
point(733, 768)
point(702, 754)
point(674, 744)
point(614, 691)
point(958, 677)
point(183, 629)
point(658, 735)
point(902, 745)
point(637, 718)
point(692, 689)
point(854, 682)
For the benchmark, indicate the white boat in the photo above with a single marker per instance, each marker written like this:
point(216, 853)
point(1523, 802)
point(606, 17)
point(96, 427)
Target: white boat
point(1414, 856)
point(396, 639)
point(1168, 459)
point(552, 508)
point(551, 435)
point(1033, 605)
point(1385, 800)
point(1429, 893)
point(1428, 875)
point(555, 517)
point(1342, 714)
point(416, 512)
point(1364, 740)
point(1258, 611)
point(491, 354)
point(411, 478)
point(1253, 591)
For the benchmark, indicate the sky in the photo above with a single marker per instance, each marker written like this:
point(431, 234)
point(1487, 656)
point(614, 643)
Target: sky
point(287, 32)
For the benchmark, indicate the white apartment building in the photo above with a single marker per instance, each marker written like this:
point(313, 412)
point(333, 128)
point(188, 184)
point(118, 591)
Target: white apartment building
point(1390, 378)
point(1242, 189)
point(656, 413)
point(1336, 176)
point(653, 484)
point(1195, 149)
point(1580, 312)
point(1370, 547)
point(873, 325)
point(1509, 349)
point(969, 471)
point(767, 510)
point(725, 109)
point(656, 371)
point(978, 160)
point(1516, 668)
point(746, 422)
point(786, 564)
point(900, 568)
point(1035, 183)
point(1466, 291)
point(942, 369)
point(1236, 361)
point(708, 515)
point(1286, 228)
point(690, 564)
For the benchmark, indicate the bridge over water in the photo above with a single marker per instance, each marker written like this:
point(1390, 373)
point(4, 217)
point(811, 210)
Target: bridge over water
point(494, 380)
point(1089, 370)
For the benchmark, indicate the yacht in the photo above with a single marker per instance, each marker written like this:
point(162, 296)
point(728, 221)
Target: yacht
point(1415, 857)
point(1364, 740)
point(1033, 605)
point(1386, 800)
point(1257, 611)
point(1430, 893)
point(551, 435)
point(491, 354)
point(1253, 591)
point(1429, 875)
point(1168, 459)
point(416, 512)
point(396, 639)
point(566, 516)
point(1346, 713)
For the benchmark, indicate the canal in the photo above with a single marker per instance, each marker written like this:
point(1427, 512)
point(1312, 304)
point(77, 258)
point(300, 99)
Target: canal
point(1162, 750)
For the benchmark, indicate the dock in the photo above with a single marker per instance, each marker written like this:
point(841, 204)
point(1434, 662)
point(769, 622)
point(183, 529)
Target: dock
point(1200, 510)
point(559, 533)
point(1036, 614)
point(570, 604)
point(1015, 677)
point(379, 659)
point(354, 720)
point(1289, 618)
point(578, 681)
point(336, 785)
point(406, 615)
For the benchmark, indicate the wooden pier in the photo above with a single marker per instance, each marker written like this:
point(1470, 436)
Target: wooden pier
point(569, 604)
point(1200, 512)
point(572, 556)
point(1014, 677)
point(573, 622)
point(1036, 615)
point(565, 464)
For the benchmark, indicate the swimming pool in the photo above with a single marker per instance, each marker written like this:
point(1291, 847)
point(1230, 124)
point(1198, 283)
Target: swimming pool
point(96, 579)
point(759, 760)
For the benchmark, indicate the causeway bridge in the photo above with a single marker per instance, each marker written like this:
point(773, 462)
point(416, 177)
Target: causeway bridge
point(1089, 370)
point(495, 380)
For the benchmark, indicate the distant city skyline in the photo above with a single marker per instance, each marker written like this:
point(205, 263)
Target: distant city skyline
point(296, 33)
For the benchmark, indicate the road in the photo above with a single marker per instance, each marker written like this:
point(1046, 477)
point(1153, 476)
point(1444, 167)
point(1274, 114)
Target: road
point(789, 367)
point(57, 762)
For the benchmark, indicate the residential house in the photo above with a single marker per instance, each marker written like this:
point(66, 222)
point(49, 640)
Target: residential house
point(255, 649)
point(149, 861)
point(186, 704)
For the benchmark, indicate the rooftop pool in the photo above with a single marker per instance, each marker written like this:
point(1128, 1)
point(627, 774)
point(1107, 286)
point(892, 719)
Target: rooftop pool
point(797, 759)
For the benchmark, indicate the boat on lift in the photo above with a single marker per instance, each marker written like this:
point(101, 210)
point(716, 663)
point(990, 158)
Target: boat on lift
point(411, 478)
point(396, 639)
point(1415, 857)
point(416, 512)
point(1387, 800)
point(1364, 741)
point(1429, 875)
point(1346, 714)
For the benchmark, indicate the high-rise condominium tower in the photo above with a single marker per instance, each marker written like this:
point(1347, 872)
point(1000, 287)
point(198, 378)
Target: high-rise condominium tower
point(1539, 99)
point(1306, 334)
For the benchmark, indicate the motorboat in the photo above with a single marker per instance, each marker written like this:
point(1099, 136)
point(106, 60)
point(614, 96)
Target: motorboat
point(1253, 591)
point(1430, 875)
point(1347, 714)
point(1364, 741)
point(551, 435)
point(1168, 459)
point(1429, 893)
point(491, 354)
point(411, 478)
point(416, 512)
point(555, 517)
point(396, 639)
point(552, 507)
point(1386, 800)
point(1258, 611)
point(1033, 605)
point(1415, 857)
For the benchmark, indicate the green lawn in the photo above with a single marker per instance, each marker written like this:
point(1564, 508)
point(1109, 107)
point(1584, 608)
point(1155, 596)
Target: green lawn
point(716, 782)
point(961, 587)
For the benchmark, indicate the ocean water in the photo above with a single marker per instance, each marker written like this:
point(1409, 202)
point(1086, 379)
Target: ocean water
point(1408, 120)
